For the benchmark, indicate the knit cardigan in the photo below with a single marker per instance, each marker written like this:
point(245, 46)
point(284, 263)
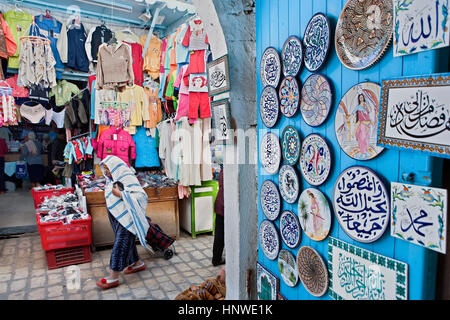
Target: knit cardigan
point(114, 66)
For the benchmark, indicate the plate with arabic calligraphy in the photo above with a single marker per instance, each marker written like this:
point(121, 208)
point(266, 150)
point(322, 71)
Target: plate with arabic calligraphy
point(288, 268)
point(316, 42)
point(356, 121)
point(289, 183)
point(290, 229)
point(363, 32)
point(292, 56)
point(316, 100)
point(270, 153)
point(269, 106)
point(270, 67)
point(361, 204)
point(312, 271)
point(315, 214)
point(269, 240)
point(270, 200)
point(289, 96)
point(290, 145)
point(315, 160)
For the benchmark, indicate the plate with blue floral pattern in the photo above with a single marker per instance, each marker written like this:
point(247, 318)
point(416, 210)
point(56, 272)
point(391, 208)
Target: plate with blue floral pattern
point(289, 183)
point(290, 145)
point(269, 108)
point(316, 42)
point(269, 240)
point(270, 200)
point(290, 229)
point(270, 67)
point(292, 56)
point(289, 96)
point(270, 153)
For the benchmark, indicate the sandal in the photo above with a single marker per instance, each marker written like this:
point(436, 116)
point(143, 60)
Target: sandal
point(107, 283)
point(134, 269)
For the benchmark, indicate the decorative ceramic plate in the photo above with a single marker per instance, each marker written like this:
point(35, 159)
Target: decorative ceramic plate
point(315, 160)
point(270, 67)
point(363, 32)
point(356, 121)
point(289, 183)
point(269, 106)
point(289, 96)
point(288, 268)
point(290, 145)
point(361, 204)
point(270, 153)
point(314, 214)
point(316, 42)
point(312, 271)
point(292, 56)
point(290, 229)
point(270, 200)
point(269, 239)
point(316, 100)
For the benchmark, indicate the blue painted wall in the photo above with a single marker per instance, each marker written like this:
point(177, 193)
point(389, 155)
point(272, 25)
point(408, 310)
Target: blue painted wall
point(275, 21)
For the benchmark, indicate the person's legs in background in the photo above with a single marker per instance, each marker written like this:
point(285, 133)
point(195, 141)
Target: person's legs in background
point(218, 241)
point(2, 175)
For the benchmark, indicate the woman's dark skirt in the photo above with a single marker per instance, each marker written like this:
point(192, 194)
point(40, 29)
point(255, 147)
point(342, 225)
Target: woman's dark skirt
point(36, 172)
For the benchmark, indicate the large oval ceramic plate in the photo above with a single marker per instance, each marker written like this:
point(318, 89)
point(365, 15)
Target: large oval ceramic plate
point(315, 160)
point(316, 100)
point(361, 204)
point(289, 96)
point(292, 56)
point(314, 214)
point(288, 268)
point(312, 271)
point(316, 42)
point(290, 229)
point(289, 183)
point(270, 153)
point(270, 67)
point(290, 145)
point(269, 108)
point(270, 200)
point(356, 121)
point(269, 240)
point(363, 32)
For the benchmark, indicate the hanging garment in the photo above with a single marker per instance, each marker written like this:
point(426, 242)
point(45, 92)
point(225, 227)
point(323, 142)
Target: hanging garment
point(187, 168)
point(63, 92)
point(196, 37)
point(10, 45)
point(152, 59)
point(181, 52)
point(114, 66)
point(40, 94)
point(163, 55)
point(18, 91)
point(76, 53)
point(197, 61)
point(102, 95)
point(32, 111)
point(117, 142)
point(126, 36)
point(146, 149)
point(59, 118)
point(135, 98)
point(166, 129)
point(136, 53)
point(153, 113)
point(19, 23)
point(97, 36)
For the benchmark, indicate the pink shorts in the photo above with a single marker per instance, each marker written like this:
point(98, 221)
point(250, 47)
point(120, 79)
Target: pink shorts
point(197, 62)
point(199, 100)
point(183, 106)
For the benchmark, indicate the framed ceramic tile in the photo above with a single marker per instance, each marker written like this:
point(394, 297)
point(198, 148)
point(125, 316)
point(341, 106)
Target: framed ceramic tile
point(315, 214)
point(267, 284)
point(220, 111)
point(361, 204)
point(292, 56)
point(316, 42)
point(315, 160)
point(270, 200)
point(363, 32)
point(270, 153)
point(269, 239)
point(288, 268)
point(316, 100)
point(415, 114)
point(358, 274)
point(312, 271)
point(419, 215)
point(218, 76)
point(270, 67)
point(356, 121)
point(420, 25)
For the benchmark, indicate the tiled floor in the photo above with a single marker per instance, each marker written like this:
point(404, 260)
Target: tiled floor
point(24, 274)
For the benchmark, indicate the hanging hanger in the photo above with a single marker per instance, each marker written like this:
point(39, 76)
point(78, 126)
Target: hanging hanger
point(17, 8)
point(47, 14)
point(35, 39)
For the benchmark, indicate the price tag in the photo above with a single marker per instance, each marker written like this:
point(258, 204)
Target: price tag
point(114, 137)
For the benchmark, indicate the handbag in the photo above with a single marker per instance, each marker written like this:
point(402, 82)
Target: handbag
point(21, 170)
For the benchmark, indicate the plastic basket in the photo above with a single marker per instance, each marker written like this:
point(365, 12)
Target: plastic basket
point(67, 256)
point(39, 196)
point(56, 235)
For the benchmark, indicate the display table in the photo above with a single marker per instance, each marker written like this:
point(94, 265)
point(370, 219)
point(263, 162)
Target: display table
point(162, 209)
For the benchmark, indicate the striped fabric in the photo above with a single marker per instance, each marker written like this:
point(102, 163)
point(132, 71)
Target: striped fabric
point(129, 210)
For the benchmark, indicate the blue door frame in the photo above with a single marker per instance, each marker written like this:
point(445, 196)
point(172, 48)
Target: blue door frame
point(276, 20)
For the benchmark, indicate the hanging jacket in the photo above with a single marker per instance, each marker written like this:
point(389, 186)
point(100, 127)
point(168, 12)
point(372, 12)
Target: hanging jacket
point(146, 149)
point(116, 142)
point(136, 53)
point(114, 66)
point(76, 54)
point(96, 37)
point(152, 57)
point(19, 23)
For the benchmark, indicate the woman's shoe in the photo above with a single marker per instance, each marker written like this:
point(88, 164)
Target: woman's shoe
point(134, 269)
point(107, 283)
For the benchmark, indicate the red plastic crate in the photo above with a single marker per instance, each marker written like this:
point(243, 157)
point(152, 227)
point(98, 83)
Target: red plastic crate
point(56, 235)
point(39, 196)
point(67, 256)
